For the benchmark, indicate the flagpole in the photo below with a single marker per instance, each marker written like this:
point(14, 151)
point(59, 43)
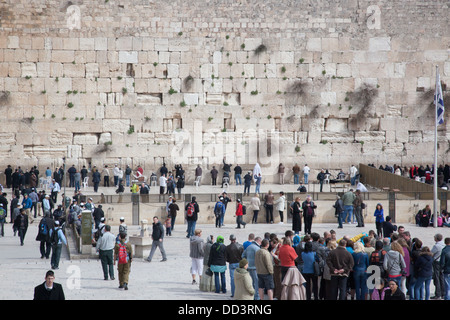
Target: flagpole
point(435, 151)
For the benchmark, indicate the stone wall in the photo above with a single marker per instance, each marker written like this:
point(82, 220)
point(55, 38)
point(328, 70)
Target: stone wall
point(326, 83)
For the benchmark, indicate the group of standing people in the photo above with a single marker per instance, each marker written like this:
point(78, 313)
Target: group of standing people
point(326, 268)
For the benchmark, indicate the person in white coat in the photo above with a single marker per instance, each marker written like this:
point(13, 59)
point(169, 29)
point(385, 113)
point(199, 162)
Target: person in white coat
point(280, 204)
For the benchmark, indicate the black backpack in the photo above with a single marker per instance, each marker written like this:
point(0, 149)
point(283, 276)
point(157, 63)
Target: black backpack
point(54, 238)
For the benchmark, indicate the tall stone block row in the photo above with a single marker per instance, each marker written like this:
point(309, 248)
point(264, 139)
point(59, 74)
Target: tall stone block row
point(145, 86)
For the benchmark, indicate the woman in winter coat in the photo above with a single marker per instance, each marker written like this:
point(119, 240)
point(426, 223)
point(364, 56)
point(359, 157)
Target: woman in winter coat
point(280, 205)
point(287, 256)
point(243, 282)
point(407, 258)
point(424, 272)
point(296, 216)
point(361, 263)
point(207, 281)
point(394, 263)
point(379, 219)
point(218, 265)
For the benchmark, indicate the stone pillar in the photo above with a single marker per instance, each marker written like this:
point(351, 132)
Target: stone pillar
point(86, 232)
point(143, 242)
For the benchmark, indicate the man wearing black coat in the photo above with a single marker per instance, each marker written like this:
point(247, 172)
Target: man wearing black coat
point(98, 214)
point(157, 237)
point(49, 290)
point(43, 235)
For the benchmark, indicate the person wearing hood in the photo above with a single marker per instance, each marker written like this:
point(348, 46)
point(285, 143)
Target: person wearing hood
point(197, 245)
point(157, 237)
point(423, 270)
point(243, 282)
point(218, 265)
point(207, 281)
point(394, 263)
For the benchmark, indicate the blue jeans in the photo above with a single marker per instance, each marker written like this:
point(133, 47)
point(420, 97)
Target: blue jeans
point(296, 178)
point(254, 276)
point(127, 179)
point(360, 277)
point(341, 217)
point(56, 254)
point(447, 286)
point(348, 210)
point(257, 189)
point(77, 186)
point(421, 284)
point(305, 176)
point(220, 284)
point(237, 178)
point(191, 228)
point(232, 267)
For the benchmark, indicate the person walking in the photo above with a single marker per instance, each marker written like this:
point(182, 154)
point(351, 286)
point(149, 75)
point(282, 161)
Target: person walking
point(157, 237)
point(233, 256)
point(49, 290)
point(21, 225)
point(57, 238)
point(264, 270)
point(173, 210)
point(243, 282)
point(123, 254)
point(280, 205)
point(239, 214)
point(43, 236)
point(217, 264)
point(192, 209)
point(196, 253)
point(105, 248)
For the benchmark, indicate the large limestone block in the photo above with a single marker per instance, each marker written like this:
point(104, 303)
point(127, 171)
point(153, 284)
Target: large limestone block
point(116, 125)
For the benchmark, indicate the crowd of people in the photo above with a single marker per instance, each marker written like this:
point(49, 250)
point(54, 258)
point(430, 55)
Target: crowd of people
point(367, 267)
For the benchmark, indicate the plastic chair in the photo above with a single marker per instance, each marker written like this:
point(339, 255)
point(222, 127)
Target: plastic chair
point(85, 182)
point(327, 178)
point(153, 180)
point(197, 181)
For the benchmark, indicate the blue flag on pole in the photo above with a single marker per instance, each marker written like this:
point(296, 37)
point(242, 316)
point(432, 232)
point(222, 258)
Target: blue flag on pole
point(439, 101)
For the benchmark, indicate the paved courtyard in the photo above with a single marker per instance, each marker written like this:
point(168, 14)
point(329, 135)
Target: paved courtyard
point(22, 268)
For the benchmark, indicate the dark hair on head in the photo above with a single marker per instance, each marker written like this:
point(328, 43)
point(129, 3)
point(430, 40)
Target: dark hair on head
point(264, 243)
point(378, 245)
point(49, 273)
point(315, 236)
point(308, 247)
point(107, 227)
point(288, 233)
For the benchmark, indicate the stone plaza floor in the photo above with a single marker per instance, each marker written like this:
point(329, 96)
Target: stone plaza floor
point(22, 268)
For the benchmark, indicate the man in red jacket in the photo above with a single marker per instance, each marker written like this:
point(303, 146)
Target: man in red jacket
point(239, 214)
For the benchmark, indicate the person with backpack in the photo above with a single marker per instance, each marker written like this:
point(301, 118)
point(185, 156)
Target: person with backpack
point(192, 211)
point(219, 211)
point(157, 237)
point(43, 235)
point(240, 214)
point(123, 254)
point(57, 238)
